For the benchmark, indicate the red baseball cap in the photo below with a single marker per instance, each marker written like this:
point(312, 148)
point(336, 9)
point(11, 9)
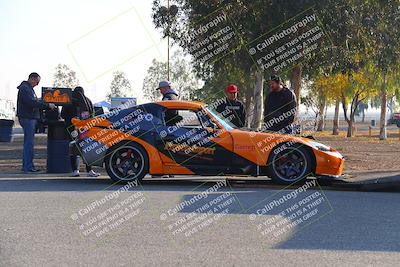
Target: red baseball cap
point(232, 89)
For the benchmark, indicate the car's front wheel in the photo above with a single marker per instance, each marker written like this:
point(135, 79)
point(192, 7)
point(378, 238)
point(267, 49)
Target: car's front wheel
point(290, 163)
point(127, 161)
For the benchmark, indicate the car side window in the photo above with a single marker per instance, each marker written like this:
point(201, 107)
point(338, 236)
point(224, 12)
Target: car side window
point(182, 118)
point(151, 115)
point(206, 120)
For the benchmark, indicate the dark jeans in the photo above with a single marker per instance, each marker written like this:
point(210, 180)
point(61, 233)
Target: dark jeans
point(29, 127)
point(75, 162)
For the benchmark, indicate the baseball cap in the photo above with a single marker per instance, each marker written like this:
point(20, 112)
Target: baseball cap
point(275, 78)
point(163, 84)
point(232, 89)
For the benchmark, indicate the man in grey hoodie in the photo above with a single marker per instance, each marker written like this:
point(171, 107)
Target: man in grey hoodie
point(28, 112)
point(167, 92)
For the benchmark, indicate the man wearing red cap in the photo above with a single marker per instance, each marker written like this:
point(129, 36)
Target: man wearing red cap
point(232, 109)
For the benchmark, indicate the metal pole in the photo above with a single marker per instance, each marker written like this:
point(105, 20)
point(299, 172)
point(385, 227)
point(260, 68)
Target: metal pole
point(168, 14)
point(168, 57)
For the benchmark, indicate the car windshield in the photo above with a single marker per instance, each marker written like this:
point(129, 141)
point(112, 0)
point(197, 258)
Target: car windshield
point(223, 121)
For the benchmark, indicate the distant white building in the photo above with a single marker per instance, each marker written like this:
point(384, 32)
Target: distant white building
point(7, 109)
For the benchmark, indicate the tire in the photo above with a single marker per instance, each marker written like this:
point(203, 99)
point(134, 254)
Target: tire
point(126, 162)
point(290, 163)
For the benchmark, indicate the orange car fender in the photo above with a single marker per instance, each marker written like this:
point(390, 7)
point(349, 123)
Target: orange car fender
point(327, 164)
point(257, 147)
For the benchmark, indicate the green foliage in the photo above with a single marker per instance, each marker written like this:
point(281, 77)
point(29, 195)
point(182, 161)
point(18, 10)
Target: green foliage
point(65, 77)
point(157, 72)
point(120, 86)
point(361, 45)
point(182, 78)
point(251, 20)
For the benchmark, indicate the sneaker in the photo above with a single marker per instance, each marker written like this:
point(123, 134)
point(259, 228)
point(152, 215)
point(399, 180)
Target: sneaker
point(33, 170)
point(75, 173)
point(92, 173)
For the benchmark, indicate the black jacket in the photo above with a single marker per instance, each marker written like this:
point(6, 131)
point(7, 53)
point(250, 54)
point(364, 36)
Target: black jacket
point(28, 105)
point(234, 111)
point(279, 109)
point(80, 103)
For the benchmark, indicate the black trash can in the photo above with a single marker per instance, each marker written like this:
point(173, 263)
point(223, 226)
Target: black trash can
point(58, 160)
point(6, 127)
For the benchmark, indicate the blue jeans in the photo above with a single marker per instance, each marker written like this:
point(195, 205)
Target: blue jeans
point(29, 127)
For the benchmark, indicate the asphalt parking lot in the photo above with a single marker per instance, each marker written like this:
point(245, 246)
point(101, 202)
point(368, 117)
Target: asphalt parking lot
point(59, 221)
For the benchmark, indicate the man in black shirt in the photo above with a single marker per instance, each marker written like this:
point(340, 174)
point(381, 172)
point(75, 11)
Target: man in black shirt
point(279, 108)
point(232, 109)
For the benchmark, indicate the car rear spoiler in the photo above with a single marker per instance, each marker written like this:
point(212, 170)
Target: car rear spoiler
point(92, 122)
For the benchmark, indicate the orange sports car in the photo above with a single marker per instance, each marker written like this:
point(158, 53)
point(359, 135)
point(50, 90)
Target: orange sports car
point(191, 138)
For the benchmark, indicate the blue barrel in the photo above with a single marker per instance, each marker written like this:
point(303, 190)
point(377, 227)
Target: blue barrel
point(58, 160)
point(6, 127)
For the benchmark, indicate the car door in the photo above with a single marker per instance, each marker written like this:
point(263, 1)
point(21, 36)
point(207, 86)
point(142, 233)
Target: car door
point(187, 141)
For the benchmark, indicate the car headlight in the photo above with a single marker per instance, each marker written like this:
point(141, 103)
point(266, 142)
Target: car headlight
point(320, 146)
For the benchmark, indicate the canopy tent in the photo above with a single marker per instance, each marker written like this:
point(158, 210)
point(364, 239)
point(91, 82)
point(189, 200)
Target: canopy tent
point(102, 104)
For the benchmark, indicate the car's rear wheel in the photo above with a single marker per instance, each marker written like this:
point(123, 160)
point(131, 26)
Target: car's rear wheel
point(127, 161)
point(290, 163)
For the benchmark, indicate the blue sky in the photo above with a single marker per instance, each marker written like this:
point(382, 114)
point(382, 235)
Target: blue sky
point(94, 38)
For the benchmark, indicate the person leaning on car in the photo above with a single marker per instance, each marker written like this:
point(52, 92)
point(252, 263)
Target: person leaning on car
point(81, 108)
point(171, 116)
point(231, 108)
point(28, 113)
point(279, 107)
point(167, 92)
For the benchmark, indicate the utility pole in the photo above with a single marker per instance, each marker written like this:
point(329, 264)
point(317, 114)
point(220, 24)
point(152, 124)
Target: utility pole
point(168, 32)
point(169, 11)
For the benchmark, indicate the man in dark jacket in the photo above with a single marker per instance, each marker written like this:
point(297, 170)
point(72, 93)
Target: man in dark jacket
point(28, 112)
point(167, 92)
point(232, 109)
point(81, 108)
point(171, 116)
point(279, 108)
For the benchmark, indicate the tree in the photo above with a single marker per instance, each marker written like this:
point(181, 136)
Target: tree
point(382, 32)
point(156, 72)
point(250, 19)
point(312, 102)
point(358, 90)
point(329, 89)
point(182, 78)
point(361, 111)
point(120, 86)
point(65, 77)
point(318, 97)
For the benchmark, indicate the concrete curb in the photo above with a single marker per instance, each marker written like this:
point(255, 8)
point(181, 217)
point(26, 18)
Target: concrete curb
point(373, 184)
